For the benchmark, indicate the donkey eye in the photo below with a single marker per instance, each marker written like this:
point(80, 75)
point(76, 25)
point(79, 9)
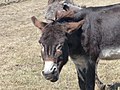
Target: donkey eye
point(42, 46)
point(59, 46)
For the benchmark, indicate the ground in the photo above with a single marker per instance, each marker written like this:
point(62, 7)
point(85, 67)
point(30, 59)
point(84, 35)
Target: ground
point(20, 63)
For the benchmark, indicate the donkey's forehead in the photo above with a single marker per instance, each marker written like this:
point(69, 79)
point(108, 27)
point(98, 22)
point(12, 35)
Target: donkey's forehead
point(52, 39)
point(53, 35)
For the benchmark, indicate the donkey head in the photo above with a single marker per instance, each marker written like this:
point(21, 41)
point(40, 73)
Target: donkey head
point(60, 5)
point(56, 5)
point(55, 49)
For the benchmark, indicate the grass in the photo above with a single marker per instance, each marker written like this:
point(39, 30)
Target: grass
point(20, 64)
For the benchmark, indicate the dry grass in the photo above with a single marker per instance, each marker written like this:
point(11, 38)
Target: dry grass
point(20, 64)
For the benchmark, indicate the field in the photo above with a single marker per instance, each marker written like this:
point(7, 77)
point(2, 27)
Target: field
point(20, 63)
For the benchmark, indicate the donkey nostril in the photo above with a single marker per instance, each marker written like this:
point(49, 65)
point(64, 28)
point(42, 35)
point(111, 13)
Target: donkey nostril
point(43, 72)
point(54, 70)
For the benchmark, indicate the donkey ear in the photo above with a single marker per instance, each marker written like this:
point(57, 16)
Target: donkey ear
point(72, 26)
point(37, 23)
point(64, 14)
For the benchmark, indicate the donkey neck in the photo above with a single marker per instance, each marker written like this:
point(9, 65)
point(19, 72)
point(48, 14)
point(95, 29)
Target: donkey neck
point(76, 51)
point(74, 44)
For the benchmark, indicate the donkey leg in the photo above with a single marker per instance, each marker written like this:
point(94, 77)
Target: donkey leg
point(86, 78)
point(90, 77)
point(81, 78)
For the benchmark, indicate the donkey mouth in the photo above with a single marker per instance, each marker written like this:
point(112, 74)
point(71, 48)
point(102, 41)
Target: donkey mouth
point(54, 79)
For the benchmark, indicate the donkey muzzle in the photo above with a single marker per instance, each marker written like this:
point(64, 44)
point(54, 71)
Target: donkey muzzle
point(50, 71)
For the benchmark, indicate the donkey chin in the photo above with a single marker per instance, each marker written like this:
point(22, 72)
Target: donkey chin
point(52, 77)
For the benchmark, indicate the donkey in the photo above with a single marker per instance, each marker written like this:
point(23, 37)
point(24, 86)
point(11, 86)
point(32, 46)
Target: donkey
point(58, 43)
point(99, 34)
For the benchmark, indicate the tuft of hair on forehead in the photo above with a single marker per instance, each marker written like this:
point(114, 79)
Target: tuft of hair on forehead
point(52, 36)
point(54, 28)
point(53, 31)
